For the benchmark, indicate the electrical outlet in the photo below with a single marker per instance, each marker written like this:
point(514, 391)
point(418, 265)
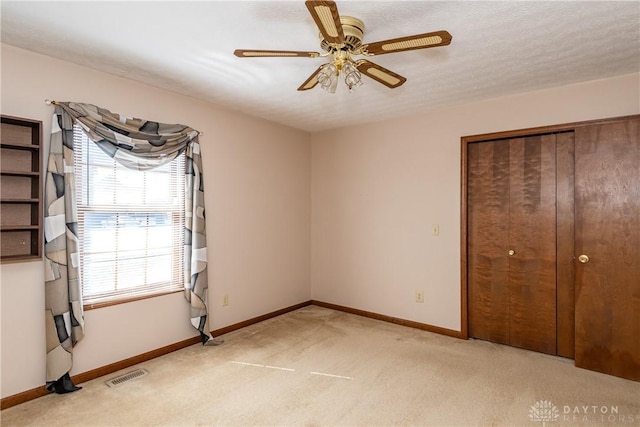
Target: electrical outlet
point(225, 300)
point(419, 296)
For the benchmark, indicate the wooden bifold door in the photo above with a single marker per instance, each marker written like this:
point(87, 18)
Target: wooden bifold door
point(551, 244)
point(512, 240)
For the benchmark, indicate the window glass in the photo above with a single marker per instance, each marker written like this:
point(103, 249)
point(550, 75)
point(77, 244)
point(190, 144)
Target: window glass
point(130, 225)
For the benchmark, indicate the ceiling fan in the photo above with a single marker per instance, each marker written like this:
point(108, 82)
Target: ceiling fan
point(341, 39)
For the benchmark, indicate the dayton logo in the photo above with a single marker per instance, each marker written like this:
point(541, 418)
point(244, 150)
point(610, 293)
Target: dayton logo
point(544, 411)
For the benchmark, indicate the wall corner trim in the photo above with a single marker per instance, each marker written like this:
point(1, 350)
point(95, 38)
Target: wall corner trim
point(391, 319)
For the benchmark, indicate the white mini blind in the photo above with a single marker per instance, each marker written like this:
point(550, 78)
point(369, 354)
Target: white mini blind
point(130, 225)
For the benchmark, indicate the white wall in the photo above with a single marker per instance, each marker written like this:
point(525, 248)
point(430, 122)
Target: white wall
point(378, 189)
point(257, 181)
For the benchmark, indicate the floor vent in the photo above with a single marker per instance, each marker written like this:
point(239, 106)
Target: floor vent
point(115, 382)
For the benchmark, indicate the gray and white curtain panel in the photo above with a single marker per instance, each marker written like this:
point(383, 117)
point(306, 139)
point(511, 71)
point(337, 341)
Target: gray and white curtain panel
point(137, 144)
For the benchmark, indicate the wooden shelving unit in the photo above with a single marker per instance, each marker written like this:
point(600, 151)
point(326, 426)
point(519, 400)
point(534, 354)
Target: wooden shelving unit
point(21, 189)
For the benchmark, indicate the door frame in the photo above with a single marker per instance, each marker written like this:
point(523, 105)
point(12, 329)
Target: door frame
point(464, 143)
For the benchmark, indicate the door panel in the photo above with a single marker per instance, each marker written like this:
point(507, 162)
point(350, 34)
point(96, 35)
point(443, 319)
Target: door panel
point(607, 196)
point(565, 237)
point(532, 237)
point(488, 214)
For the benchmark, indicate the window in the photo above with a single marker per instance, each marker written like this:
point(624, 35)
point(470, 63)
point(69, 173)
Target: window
point(130, 225)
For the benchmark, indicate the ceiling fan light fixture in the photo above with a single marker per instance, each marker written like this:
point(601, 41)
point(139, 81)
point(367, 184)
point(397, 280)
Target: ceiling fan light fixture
point(333, 86)
point(328, 77)
point(352, 77)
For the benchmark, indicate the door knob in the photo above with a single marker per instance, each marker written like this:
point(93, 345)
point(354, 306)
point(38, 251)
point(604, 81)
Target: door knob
point(511, 252)
point(583, 259)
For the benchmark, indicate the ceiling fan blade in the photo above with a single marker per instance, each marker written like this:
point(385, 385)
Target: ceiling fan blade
point(325, 13)
point(418, 41)
point(270, 53)
point(312, 81)
point(380, 74)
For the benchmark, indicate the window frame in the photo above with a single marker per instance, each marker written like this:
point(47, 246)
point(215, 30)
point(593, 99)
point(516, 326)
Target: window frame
point(82, 146)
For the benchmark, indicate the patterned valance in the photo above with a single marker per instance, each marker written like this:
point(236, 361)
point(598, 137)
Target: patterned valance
point(135, 143)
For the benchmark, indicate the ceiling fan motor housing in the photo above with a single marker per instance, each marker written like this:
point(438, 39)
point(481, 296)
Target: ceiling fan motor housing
point(353, 30)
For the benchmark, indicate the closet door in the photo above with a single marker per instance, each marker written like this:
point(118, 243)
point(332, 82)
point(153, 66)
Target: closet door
point(532, 241)
point(512, 242)
point(488, 234)
point(607, 247)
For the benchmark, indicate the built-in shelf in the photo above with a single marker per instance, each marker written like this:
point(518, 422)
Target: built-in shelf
point(20, 189)
point(18, 145)
point(18, 227)
point(19, 173)
point(20, 200)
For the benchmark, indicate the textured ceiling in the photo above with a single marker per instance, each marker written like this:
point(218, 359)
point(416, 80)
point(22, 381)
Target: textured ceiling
point(498, 48)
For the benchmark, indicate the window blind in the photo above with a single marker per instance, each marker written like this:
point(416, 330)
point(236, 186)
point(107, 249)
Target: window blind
point(130, 225)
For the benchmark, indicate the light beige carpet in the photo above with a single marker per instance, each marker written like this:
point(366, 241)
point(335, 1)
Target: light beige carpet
point(317, 366)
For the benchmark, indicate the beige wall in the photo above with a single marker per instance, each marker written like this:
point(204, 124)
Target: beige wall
point(257, 178)
point(362, 200)
point(378, 189)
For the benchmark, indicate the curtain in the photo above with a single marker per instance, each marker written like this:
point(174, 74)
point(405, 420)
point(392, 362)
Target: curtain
point(137, 144)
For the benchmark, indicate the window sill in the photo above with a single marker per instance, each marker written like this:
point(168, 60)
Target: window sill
point(109, 303)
